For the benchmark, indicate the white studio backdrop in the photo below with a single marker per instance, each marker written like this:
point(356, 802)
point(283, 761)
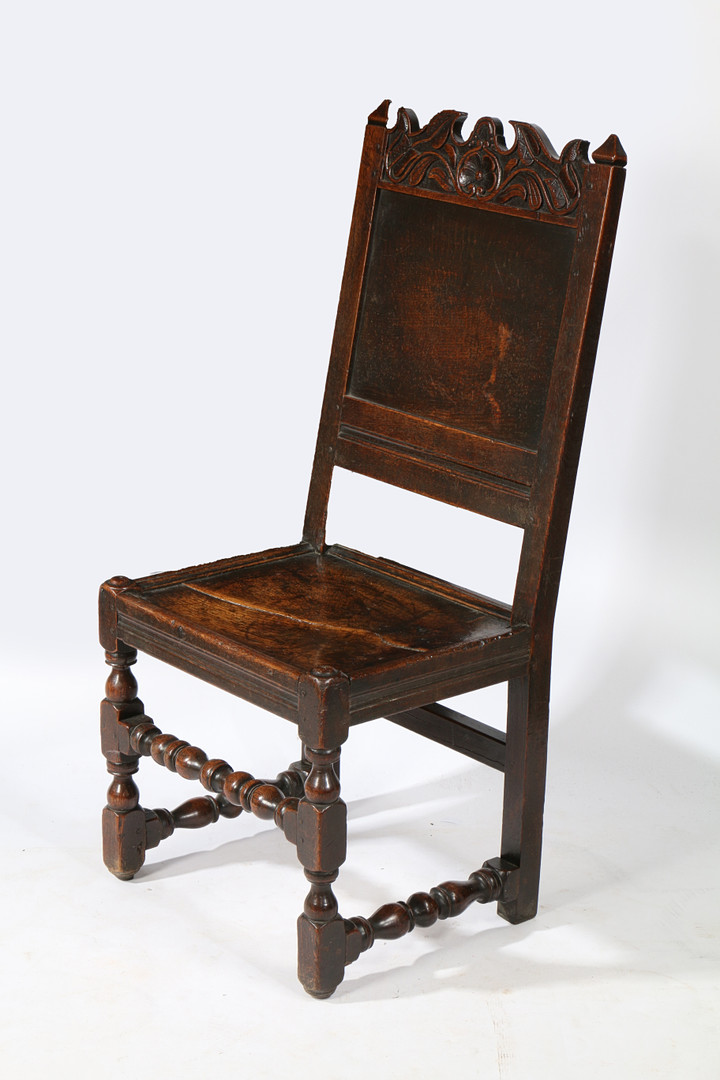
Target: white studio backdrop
point(177, 187)
point(173, 246)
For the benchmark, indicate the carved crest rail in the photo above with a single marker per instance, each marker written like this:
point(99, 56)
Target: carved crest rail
point(529, 175)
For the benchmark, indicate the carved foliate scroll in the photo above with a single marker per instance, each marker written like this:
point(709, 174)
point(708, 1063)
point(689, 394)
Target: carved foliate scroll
point(528, 175)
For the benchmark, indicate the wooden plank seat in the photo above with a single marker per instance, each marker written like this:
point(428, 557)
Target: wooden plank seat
point(460, 369)
point(286, 613)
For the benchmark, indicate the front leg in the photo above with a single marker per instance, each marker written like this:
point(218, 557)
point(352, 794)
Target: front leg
point(322, 832)
point(123, 823)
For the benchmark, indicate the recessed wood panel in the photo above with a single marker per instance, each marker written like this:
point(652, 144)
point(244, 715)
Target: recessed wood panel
point(460, 315)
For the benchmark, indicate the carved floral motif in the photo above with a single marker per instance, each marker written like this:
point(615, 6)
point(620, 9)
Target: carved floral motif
point(529, 174)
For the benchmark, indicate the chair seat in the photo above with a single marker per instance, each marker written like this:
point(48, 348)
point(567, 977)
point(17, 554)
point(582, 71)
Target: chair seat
point(259, 622)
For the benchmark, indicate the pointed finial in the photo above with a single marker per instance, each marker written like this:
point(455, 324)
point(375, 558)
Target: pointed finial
point(610, 153)
point(380, 115)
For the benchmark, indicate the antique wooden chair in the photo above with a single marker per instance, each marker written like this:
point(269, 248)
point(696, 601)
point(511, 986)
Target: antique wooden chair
point(461, 365)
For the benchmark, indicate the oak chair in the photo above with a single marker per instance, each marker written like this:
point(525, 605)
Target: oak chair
point(461, 365)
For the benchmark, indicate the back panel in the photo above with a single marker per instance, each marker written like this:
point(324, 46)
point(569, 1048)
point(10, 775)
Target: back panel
point(468, 320)
point(460, 314)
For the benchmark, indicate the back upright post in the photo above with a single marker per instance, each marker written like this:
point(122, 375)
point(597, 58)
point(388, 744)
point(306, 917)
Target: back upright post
point(544, 543)
point(348, 307)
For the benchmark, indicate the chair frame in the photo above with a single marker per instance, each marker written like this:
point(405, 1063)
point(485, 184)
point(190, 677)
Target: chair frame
point(532, 489)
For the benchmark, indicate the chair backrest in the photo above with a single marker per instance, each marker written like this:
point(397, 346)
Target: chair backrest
point(467, 326)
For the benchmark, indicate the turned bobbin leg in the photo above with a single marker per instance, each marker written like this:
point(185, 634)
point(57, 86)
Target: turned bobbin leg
point(526, 761)
point(322, 831)
point(123, 818)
